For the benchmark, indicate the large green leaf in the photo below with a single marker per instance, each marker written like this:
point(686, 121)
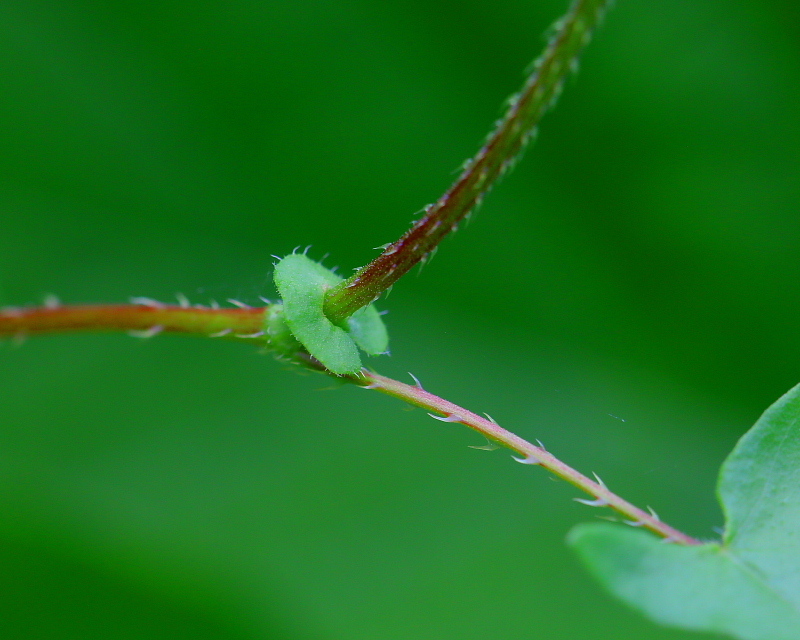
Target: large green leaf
point(747, 586)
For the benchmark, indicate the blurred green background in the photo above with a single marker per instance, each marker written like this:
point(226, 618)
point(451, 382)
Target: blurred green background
point(629, 295)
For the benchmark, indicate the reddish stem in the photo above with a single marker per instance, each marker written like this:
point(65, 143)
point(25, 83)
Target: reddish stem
point(501, 150)
point(242, 324)
point(247, 324)
point(531, 454)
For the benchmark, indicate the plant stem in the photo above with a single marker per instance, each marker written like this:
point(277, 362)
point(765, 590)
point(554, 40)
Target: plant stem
point(531, 454)
point(141, 320)
point(146, 320)
point(501, 150)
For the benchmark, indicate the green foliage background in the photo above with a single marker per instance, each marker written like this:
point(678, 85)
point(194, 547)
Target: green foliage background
point(629, 295)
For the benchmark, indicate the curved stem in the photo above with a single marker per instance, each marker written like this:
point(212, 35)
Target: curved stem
point(499, 153)
point(530, 453)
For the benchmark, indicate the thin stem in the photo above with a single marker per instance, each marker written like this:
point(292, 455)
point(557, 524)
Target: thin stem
point(148, 319)
point(499, 153)
point(141, 320)
point(531, 454)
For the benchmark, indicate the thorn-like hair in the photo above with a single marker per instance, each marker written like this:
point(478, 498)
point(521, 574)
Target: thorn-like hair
point(147, 302)
point(416, 380)
point(528, 459)
point(447, 418)
point(147, 333)
point(600, 502)
point(634, 523)
point(489, 446)
point(183, 301)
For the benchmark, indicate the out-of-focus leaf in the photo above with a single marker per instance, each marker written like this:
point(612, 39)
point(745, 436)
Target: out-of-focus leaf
point(748, 586)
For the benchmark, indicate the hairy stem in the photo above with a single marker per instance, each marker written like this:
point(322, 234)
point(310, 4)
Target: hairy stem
point(142, 320)
point(502, 148)
point(531, 454)
point(151, 318)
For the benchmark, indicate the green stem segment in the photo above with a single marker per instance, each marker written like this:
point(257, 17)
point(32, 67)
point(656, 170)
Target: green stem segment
point(501, 150)
point(531, 454)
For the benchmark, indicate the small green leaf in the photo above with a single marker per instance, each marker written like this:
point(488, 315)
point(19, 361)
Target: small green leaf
point(302, 283)
point(368, 330)
point(749, 585)
point(279, 336)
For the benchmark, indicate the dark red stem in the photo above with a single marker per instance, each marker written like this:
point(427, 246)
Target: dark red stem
point(498, 154)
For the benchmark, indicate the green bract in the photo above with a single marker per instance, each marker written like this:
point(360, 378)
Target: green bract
point(302, 284)
point(279, 336)
point(749, 585)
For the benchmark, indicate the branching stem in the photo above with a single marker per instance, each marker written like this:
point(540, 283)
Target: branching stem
point(501, 150)
point(247, 324)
